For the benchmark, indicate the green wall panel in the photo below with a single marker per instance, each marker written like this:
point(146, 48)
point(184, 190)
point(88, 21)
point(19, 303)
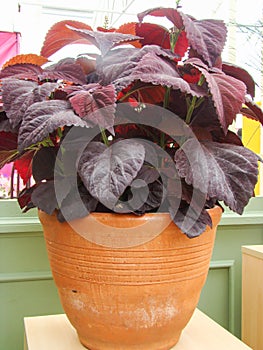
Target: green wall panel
point(215, 295)
point(27, 287)
point(20, 299)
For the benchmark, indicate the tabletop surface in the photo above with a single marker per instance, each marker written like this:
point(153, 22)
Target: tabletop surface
point(253, 250)
point(55, 332)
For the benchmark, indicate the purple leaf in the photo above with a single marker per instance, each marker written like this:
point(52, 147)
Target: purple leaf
point(106, 172)
point(206, 37)
point(44, 163)
point(148, 174)
point(5, 124)
point(223, 171)
point(43, 118)
point(154, 199)
point(18, 95)
point(104, 41)
point(67, 70)
point(189, 221)
point(95, 103)
point(22, 71)
point(121, 62)
point(228, 95)
point(157, 71)
point(44, 197)
point(72, 208)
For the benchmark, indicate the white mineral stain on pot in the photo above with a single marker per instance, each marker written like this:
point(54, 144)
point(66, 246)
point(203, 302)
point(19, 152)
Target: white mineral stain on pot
point(150, 315)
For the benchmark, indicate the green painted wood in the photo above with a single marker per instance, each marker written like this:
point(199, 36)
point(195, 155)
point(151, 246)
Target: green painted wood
point(27, 287)
point(233, 232)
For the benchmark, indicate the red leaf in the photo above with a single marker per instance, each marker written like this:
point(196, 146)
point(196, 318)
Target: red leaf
point(26, 58)
point(59, 35)
point(181, 44)
point(153, 34)
point(130, 28)
point(105, 30)
point(24, 166)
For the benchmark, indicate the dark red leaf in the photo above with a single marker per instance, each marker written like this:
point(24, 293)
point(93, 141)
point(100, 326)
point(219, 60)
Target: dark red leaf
point(24, 198)
point(153, 34)
point(252, 111)
point(170, 13)
point(8, 147)
point(228, 95)
point(8, 141)
point(241, 74)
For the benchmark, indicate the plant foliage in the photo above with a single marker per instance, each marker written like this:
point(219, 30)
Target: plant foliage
point(150, 162)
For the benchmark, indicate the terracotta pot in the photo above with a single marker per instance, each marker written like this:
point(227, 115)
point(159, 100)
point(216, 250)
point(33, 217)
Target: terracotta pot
point(138, 297)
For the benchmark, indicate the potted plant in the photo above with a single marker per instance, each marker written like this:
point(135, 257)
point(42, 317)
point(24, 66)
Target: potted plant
point(131, 153)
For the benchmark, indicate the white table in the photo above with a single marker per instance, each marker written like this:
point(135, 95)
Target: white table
point(54, 332)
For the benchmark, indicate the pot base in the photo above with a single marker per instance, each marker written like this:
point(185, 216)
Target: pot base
point(103, 346)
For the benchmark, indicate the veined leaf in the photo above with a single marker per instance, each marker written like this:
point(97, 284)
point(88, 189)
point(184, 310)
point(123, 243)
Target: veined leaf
point(106, 172)
point(226, 172)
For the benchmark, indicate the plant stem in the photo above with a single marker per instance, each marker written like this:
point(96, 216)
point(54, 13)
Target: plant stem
point(167, 97)
point(165, 105)
point(104, 137)
point(194, 102)
point(190, 110)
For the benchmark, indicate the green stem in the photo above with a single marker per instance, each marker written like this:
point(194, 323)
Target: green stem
point(104, 137)
point(190, 110)
point(60, 133)
point(194, 102)
point(167, 97)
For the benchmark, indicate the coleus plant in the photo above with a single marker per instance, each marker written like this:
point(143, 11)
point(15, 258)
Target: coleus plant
point(151, 71)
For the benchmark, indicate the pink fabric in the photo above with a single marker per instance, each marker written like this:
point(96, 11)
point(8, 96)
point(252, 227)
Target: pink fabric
point(9, 46)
